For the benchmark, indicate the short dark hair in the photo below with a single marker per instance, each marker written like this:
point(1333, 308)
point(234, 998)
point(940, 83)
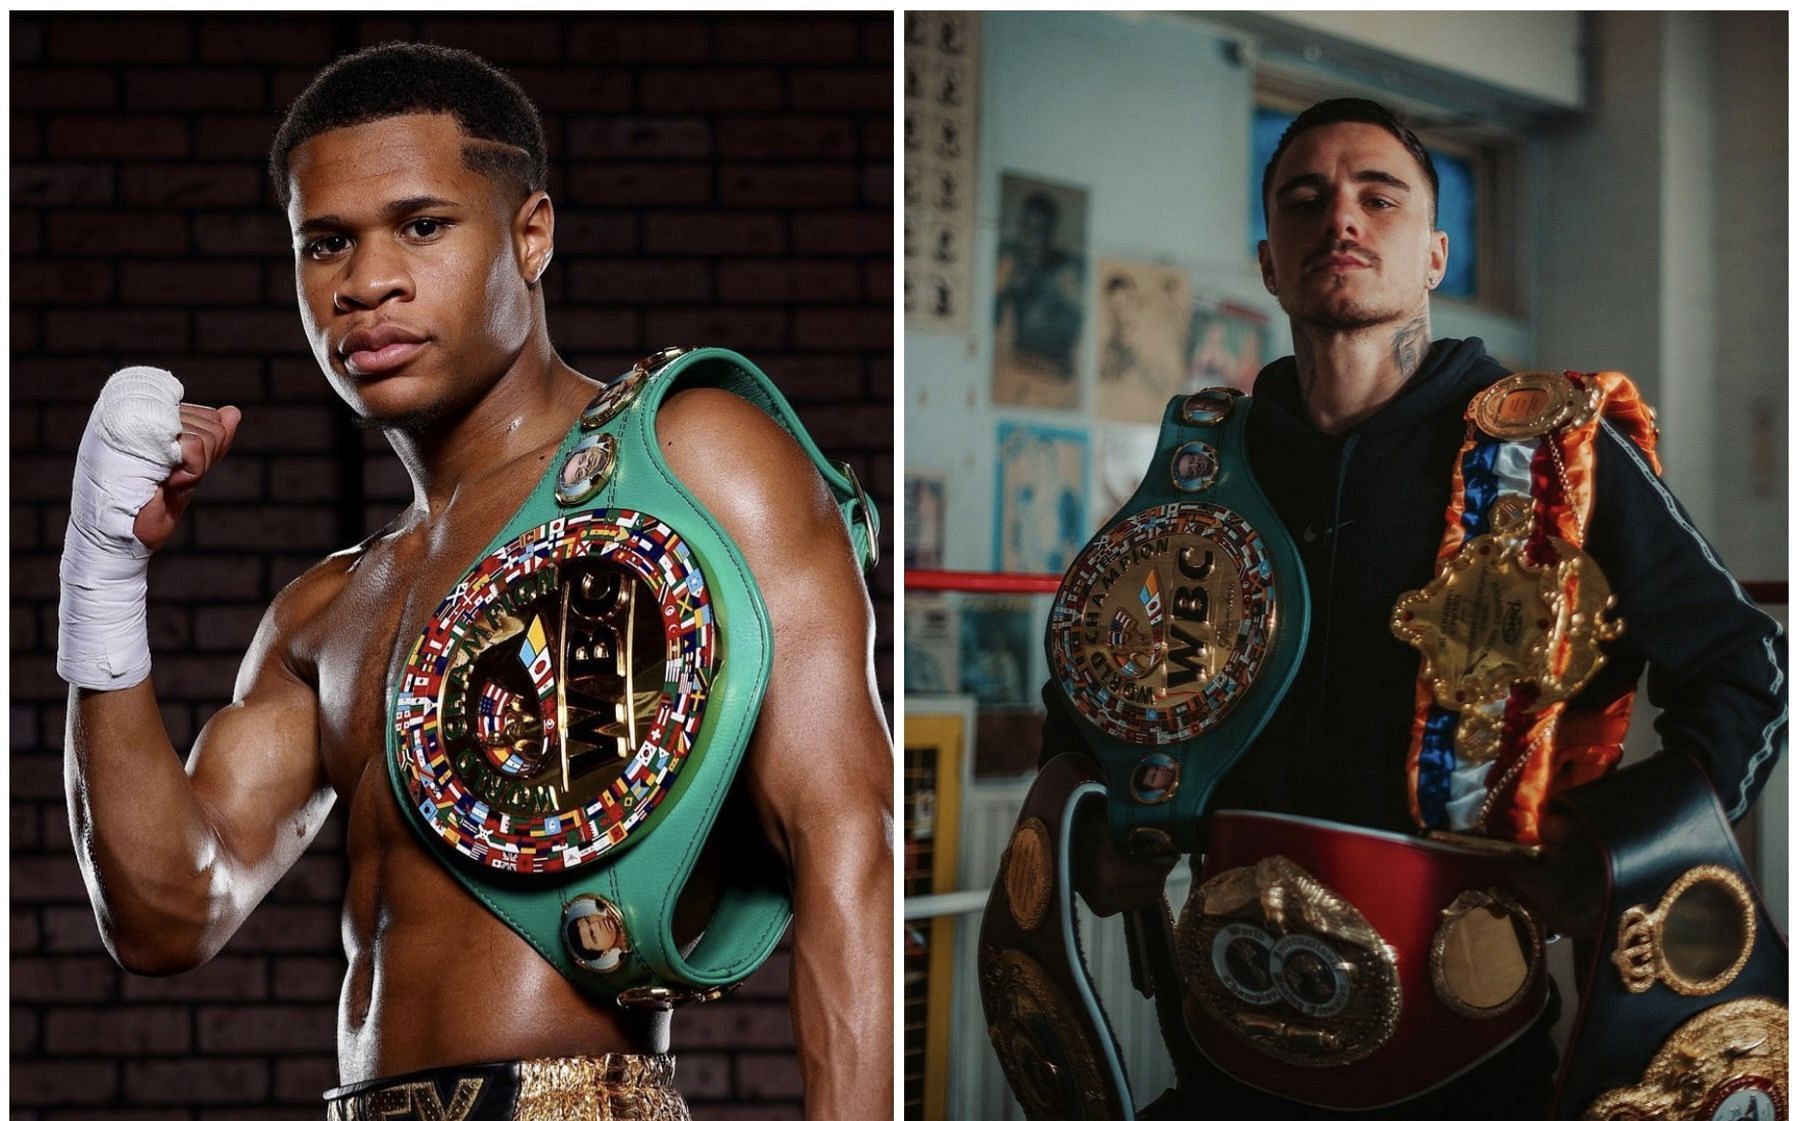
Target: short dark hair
point(1353, 110)
point(394, 79)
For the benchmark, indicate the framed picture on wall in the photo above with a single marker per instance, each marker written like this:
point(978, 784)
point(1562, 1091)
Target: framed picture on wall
point(1039, 293)
point(1143, 317)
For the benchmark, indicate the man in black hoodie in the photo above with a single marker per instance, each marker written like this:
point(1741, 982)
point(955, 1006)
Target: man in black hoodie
point(1354, 439)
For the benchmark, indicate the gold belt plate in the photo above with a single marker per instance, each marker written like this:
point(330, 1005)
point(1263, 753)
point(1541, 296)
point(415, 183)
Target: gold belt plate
point(1493, 620)
point(1288, 966)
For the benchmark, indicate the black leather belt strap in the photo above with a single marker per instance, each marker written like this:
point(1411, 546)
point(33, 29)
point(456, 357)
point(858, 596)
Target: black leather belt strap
point(1648, 826)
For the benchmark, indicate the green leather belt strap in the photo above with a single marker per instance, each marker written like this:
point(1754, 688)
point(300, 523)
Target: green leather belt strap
point(641, 878)
point(1163, 750)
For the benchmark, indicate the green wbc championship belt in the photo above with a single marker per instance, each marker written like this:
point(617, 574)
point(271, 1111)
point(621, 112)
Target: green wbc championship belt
point(1180, 626)
point(565, 730)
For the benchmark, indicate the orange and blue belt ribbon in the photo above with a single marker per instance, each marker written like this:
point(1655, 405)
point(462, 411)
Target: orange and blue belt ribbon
point(1562, 744)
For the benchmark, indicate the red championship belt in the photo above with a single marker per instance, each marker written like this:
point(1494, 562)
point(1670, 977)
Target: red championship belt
point(1350, 968)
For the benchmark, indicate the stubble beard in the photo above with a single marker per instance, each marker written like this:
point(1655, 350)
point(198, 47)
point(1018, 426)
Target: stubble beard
point(1333, 312)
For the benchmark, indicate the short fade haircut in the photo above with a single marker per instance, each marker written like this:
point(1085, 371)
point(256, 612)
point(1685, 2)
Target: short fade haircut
point(394, 79)
point(1353, 110)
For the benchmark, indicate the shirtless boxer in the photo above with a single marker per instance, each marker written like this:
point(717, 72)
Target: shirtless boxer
point(413, 179)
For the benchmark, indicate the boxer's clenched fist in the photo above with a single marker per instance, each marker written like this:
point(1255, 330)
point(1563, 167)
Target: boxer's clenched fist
point(141, 456)
point(206, 436)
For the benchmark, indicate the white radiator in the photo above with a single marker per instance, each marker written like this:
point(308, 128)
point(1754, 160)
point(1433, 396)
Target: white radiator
point(977, 1087)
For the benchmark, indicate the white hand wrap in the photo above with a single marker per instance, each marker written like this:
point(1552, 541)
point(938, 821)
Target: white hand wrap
point(131, 446)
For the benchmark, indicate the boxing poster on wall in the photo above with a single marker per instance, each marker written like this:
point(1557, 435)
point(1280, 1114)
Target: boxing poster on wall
point(1002, 643)
point(924, 519)
point(1124, 452)
point(931, 645)
point(942, 68)
point(1041, 519)
point(1143, 316)
point(1228, 345)
point(1039, 290)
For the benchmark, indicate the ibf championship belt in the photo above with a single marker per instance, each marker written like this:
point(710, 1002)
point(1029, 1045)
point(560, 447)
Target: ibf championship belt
point(565, 729)
point(1173, 637)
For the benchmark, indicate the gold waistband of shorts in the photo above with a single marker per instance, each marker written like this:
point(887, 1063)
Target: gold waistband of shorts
point(581, 1071)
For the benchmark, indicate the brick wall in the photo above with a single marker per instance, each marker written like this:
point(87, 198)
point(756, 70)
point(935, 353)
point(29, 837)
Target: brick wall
point(723, 181)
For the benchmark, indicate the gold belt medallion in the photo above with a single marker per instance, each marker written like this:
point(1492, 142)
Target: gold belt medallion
point(1287, 965)
point(1164, 621)
point(1728, 1063)
point(1046, 1054)
point(1492, 619)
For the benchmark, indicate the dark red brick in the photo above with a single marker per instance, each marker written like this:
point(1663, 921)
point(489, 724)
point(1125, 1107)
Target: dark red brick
point(117, 332)
point(128, 40)
point(811, 90)
point(211, 87)
point(113, 234)
point(256, 233)
point(308, 978)
point(64, 88)
point(72, 980)
point(843, 329)
point(634, 280)
point(787, 137)
point(877, 40)
point(226, 977)
point(266, 39)
point(61, 282)
point(769, 1076)
point(789, 186)
point(27, 137)
point(174, 186)
point(580, 328)
point(283, 428)
point(117, 137)
point(595, 233)
point(587, 90)
point(227, 136)
point(787, 280)
point(703, 232)
point(843, 232)
point(751, 331)
point(501, 41)
point(26, 234)
point(71, 930)
point(732, 1023)
point(192, 1081)
point(22, 817)
point(641, 184)
point(23, 1024)
point(46, 879)
point(304, 1079)
point(250, 332)
point(766, 41)
point(312, 879)
point(189, 283)
point(637, 42)
point(727, 90)
point(305, 928)
point(41, 1081)
point(635, 137)
point(274, 1030)
point(311, 478)
point(144, 1030)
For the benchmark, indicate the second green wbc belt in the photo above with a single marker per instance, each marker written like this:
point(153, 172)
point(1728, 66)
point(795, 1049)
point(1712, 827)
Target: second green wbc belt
point(1180, 626)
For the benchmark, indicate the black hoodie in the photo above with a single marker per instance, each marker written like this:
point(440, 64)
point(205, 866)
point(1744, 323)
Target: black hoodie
point(1366, 511)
